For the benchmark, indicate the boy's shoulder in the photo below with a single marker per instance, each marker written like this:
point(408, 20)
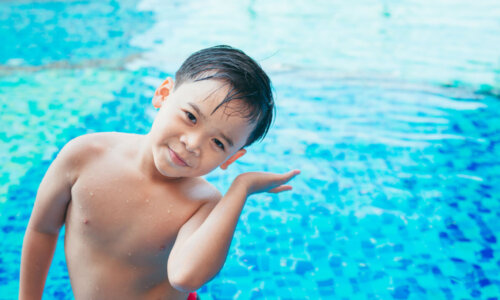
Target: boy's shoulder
point(200, 190)
point(92, 143)
point(86, 147)
point(101, 138)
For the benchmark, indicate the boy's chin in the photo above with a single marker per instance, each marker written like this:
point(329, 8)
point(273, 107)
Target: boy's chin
point(169, 170)
point(175, 174)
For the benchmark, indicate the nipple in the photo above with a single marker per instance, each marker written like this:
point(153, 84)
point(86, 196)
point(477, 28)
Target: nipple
point(86, 221)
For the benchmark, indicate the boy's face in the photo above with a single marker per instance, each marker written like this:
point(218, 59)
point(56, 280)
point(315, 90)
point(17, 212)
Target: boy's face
point(189, 140)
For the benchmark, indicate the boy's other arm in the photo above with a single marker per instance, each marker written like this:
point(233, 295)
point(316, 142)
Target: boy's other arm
point(203, 242)
point(47, 217)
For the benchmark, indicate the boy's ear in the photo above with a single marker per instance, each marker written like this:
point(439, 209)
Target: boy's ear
point(162, 92)
point(233, 158)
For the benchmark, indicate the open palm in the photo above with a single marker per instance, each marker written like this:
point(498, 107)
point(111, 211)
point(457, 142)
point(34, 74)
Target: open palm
point(258, 182)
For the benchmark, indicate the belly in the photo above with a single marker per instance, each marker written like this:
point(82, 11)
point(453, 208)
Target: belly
point(120, 227)
point(101, 277)
point(118, 243)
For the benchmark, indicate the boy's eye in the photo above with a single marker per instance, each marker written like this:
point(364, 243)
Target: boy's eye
point(219, 144)
point(191, 117)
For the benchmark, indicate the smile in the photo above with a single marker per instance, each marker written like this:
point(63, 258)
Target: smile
point(176, 159)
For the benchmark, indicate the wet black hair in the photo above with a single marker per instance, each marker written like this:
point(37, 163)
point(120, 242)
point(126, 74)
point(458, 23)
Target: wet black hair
point(248, 82)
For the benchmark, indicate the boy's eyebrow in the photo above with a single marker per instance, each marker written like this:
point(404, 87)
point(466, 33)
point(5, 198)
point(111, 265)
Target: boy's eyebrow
point(198, 111)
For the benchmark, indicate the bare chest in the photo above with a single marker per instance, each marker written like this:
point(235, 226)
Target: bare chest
point(116, 211)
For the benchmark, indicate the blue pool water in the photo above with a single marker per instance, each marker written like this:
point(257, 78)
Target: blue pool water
point(391, 110)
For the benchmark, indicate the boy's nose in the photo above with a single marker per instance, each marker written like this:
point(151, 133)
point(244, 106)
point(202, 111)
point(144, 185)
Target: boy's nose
point(192, 142)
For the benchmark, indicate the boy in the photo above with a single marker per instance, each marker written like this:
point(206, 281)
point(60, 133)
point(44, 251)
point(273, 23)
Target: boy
point(140, 221)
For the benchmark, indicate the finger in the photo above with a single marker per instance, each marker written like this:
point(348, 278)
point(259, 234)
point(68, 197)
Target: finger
point(293, 173)
point(289, 175)
point(280, 189)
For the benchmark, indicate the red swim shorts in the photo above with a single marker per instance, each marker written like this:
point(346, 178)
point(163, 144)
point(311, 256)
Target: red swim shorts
point(193, 296)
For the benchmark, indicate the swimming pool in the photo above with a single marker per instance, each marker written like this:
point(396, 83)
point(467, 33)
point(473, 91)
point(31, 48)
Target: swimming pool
point(390, 109)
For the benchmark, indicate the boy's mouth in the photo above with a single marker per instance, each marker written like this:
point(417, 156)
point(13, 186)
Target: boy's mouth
point(176, 158)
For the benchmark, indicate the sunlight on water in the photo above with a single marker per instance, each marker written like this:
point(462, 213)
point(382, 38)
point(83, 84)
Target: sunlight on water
point(389, 108)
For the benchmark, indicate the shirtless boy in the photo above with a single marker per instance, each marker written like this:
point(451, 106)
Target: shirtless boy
point(140, 221)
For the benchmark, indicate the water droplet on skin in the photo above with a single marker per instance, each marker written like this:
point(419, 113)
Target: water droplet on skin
point(168, 211)
point(127, 200)
point(147, 200)
point(91, 194)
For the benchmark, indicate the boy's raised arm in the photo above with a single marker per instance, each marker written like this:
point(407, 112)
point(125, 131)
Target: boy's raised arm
point(202, 244)
point(47, 217)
